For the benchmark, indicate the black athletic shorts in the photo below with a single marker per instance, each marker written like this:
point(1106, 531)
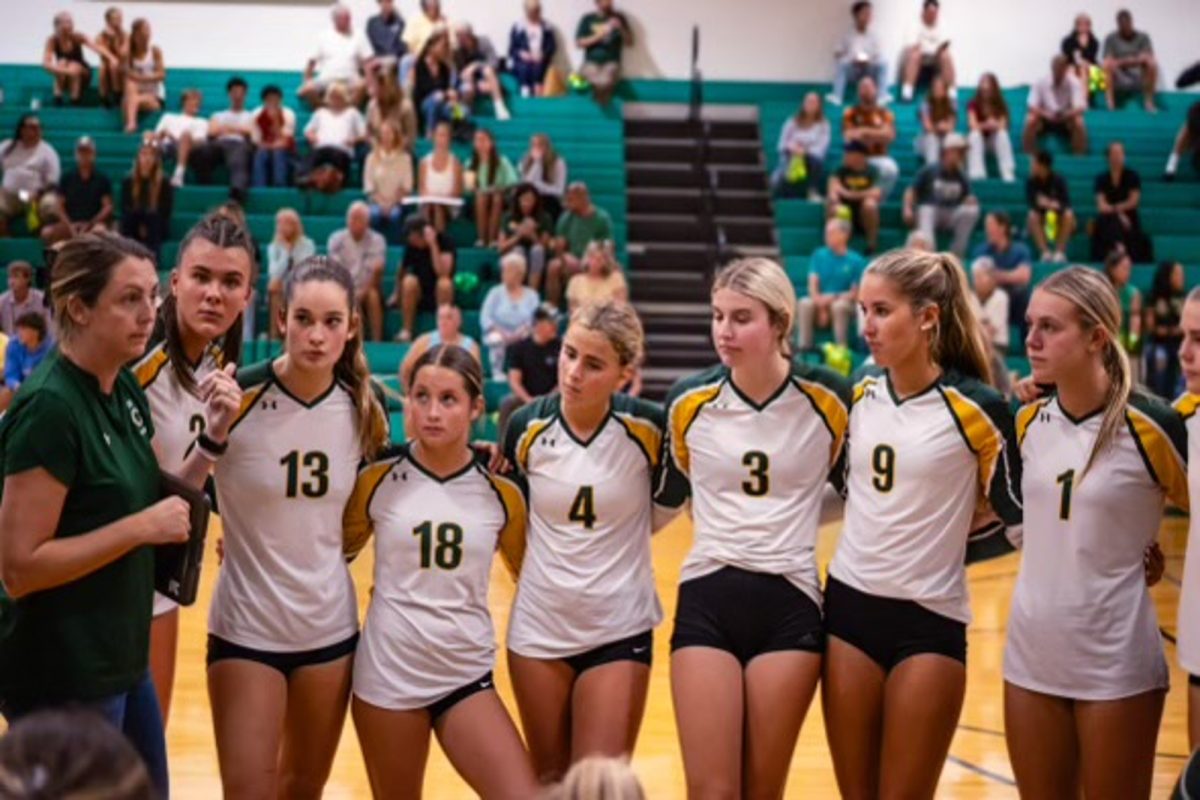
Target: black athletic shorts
point(221, 650)
point(1193, 680)
point(436, 710)
point(889, 630)
point(637, 648)
point(747, 614)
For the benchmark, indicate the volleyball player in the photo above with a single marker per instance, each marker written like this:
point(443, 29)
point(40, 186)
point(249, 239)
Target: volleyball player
point(283, 624)
point(930, 443)
point(752, 442)
point(1189, 613)
point(580, 637)
point(427, 650)
point(187, 378)
point(1084, 671)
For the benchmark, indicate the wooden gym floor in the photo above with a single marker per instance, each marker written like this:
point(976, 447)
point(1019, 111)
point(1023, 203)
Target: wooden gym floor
point(978, 764)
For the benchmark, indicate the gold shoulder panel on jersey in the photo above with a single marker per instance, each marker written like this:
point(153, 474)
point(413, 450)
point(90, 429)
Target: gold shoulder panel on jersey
point(1186, 404)
point(981, 434)
point(1164, 462)
point(1026, 414)
point(250, 397)
point(516, 518)
point(532, 431)
point(151, 365)
point(832, 410)
point(683, 413)
point(647, 435)
point(357, 525)
point(861, 387)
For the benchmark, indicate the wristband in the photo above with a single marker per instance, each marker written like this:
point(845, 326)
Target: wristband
point(210, 447)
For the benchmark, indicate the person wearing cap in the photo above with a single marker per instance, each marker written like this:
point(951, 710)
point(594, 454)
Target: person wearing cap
point(84, 198)
point(859, 54)
point(940, 197)
point(874, 126)
point(1012, 264)
point(532, 363)
point(363, 252)
point(342, 56)
point(532, 46)
point(426, 277)
point(854, 194)
point(927, 53)
point(602, 36)
point(1056, 104)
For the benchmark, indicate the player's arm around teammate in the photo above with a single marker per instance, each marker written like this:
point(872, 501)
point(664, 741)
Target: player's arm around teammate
point(1084, 671)
point(188, 380)
point(753, 442)
point(929, 444)
point(283, 624)
point(1189, 599)
point(580, 636)
point(425, 659)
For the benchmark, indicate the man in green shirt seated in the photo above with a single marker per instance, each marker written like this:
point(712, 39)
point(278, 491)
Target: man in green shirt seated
point(580, 224)
point(601, 36)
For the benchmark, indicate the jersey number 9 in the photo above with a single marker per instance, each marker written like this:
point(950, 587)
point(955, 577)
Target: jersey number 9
point(317, 465)
point(883, 463)
point(759, 465)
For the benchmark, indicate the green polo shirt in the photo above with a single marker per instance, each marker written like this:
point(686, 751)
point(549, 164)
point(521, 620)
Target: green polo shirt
point(608, 49)
point(88, 639)
point(581, 231)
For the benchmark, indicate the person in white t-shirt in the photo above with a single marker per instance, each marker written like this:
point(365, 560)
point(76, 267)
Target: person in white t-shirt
point(858, 55)
point(334, 131)
point(1056, 105)
point(342, 56)
point(176, 134)
point(927, 53)
point(990, 302)
point(231, 141)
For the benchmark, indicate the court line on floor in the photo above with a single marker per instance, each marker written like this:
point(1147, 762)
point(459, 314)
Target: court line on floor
point(978, 770)
point(1000, 734)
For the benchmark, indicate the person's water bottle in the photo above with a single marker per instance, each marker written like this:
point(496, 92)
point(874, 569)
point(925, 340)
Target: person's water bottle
point(1051, 226)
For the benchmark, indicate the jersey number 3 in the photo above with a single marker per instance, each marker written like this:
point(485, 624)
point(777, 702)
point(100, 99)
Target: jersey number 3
point(316, 483)
point(583, 507)
point(759, 464)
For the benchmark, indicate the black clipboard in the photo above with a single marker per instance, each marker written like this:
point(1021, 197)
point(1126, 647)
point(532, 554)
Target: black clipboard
point(177, 566)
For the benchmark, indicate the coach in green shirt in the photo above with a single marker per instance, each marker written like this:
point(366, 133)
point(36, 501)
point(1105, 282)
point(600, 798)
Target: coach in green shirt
point(80, 508)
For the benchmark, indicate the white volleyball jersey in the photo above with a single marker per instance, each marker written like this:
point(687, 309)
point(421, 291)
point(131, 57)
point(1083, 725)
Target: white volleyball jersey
point(1189, 598)
point(1082, 623)
point(282, 487)
point(587, 579)
point(428, 631)
point(755, 473)
point(917, 470)
point(178, 417)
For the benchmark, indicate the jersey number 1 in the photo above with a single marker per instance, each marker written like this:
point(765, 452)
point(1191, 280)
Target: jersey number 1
point(1067, 480)
point(317, 464)
point(583, 507)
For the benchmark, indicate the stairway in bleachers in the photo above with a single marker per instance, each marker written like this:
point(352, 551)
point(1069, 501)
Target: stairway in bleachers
point(696, 190)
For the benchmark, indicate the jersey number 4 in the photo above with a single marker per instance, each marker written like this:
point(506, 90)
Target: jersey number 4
point(442, 548)
point(759, 465)
point(316, 465)
point(583, 507)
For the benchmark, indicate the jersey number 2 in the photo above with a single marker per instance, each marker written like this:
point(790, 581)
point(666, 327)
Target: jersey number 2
point(195, 428)
point(759, 465)
point(1067, 480)
point(583, 507)
point(317, 482)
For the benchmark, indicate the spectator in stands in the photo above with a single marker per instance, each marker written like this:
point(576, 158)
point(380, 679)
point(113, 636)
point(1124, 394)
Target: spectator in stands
point(440, 175)
point(875, 127)
point(342, 57)
point(1118, 193)
point(145, 75)
point(478, 66)
point(385, 34)
point(434, 83)
point(1129, 63)
point(853, 194)
point(363, 252)
point(939, 117)
point(506, 316)
point(489, 175)
point(602, 35)
point(528, 230)
point(426, 278)
point(1119, 269)
point(231, 135)
point(1050, 221)
point(420, 28)
point(63, 58)
point(26, 349)
point(274, 140)
point(31, 169)
point(803, 143)
point(333, 133)
point(178, 135)
point(834, 271)
point(940, 198)
point(289, 247)
point(581, 224)
point(993, 303)
point(20, 298)
point(988, 121)
point(858, 55)
point(601, 281)
point(1164, 311)
point(927, 53)
point(391, 102)
point(147, 199)
point(115, 39)
point(85, 200)
point(543, 167)
point(532, 46)
point(1082, 50)
point(532, 363)
point(1056, 105)
point(1187, 141)
point(448, 332)
point(1011, 260)
point(387, 180)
